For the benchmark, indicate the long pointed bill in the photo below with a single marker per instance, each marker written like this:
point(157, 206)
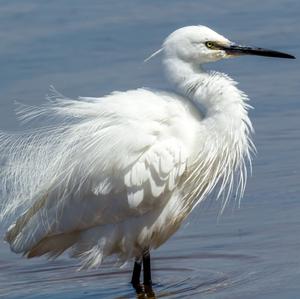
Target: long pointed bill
point(234, 49)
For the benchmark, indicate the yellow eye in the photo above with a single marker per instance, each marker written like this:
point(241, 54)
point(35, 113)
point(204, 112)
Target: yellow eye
point(209, 45)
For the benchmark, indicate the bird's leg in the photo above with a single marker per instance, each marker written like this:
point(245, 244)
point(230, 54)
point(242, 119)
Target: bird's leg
point(136, 273)
point(147, 268)
point(135, 281)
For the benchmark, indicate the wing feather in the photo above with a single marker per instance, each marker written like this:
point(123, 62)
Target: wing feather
point(106, 160)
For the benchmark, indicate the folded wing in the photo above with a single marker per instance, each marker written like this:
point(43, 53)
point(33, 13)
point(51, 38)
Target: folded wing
point(103, 164)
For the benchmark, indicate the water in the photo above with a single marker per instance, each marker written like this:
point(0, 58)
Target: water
point(92, 47)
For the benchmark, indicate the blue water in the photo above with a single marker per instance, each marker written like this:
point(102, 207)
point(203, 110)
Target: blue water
point(93, 47)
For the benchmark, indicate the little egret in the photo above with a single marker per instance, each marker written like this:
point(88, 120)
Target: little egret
point(117, 175)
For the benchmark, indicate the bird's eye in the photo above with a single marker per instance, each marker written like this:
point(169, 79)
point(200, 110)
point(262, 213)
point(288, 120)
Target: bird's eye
point(209, 45)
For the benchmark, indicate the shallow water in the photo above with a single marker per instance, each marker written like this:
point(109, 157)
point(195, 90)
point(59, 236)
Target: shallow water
point(90, 48)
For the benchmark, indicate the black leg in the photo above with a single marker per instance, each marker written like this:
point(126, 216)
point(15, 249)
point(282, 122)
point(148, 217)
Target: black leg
point(147, 268)
point(147, 290)
point(135, 280)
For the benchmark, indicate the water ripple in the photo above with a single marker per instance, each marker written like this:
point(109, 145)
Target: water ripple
point(179, 276)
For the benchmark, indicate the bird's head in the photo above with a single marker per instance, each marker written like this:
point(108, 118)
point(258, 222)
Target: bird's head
point(195, 44)
point(200, 44)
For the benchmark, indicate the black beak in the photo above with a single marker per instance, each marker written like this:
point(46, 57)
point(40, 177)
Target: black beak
point(234, 49)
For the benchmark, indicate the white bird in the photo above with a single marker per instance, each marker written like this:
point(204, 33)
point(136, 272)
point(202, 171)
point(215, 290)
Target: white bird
point(118, 175)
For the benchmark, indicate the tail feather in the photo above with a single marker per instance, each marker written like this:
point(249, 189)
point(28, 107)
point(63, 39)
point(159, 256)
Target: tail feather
point(21, 222)
point(54, 245)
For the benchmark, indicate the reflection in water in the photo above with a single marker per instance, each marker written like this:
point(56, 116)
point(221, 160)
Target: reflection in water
point(144, 292)
point(184, 282)
point(176, 277)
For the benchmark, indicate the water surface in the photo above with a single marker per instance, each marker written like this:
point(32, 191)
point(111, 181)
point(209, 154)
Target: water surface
point(93, 47)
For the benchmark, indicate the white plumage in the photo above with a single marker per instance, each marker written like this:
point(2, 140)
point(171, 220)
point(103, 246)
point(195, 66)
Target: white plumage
point(119, 174)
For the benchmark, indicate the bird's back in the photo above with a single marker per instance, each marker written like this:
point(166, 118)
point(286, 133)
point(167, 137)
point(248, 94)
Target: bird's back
point(103, 177)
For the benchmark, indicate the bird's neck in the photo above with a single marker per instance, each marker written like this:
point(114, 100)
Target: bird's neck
point(215, 94)
point(223, 144)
